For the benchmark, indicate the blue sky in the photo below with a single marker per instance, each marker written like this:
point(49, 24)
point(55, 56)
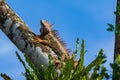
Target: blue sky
point(73, 19)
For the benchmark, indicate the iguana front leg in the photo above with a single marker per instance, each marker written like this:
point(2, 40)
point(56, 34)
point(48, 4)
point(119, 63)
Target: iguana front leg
point(37, 40)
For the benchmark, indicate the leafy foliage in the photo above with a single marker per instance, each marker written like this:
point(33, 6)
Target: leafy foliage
point(31, 72)
point(69, 70)
point(116, 68)
point(117, 13)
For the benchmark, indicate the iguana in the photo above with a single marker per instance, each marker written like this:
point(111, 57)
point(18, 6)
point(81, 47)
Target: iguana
point(53, 40)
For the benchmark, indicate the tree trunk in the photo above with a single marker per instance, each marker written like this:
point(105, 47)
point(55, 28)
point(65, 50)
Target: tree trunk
point(117, 41)
point(19, 33)
point(117, 36)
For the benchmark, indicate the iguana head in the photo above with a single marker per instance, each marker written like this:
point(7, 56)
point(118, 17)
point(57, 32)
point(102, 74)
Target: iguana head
point(45, 27)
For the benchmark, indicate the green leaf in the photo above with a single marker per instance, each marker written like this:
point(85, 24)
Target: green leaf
point(118, 8)
point(80, 67)
point(117, 61)
point(33, 71)
point(76, 50)
point(111, 27)
point(117, 13)
point(67, 69)
point(117, 31)
point(20, 59)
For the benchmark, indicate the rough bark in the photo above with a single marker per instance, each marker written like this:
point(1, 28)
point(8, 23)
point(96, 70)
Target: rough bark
point(117, 36)
point(24, 39)
point(117, 43)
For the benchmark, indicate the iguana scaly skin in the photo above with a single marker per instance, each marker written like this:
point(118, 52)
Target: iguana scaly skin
point(53, 40)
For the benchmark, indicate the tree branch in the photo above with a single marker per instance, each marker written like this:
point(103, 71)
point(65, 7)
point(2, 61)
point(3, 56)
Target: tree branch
point(19, 33)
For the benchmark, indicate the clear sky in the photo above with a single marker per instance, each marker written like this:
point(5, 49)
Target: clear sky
point(83, 19)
